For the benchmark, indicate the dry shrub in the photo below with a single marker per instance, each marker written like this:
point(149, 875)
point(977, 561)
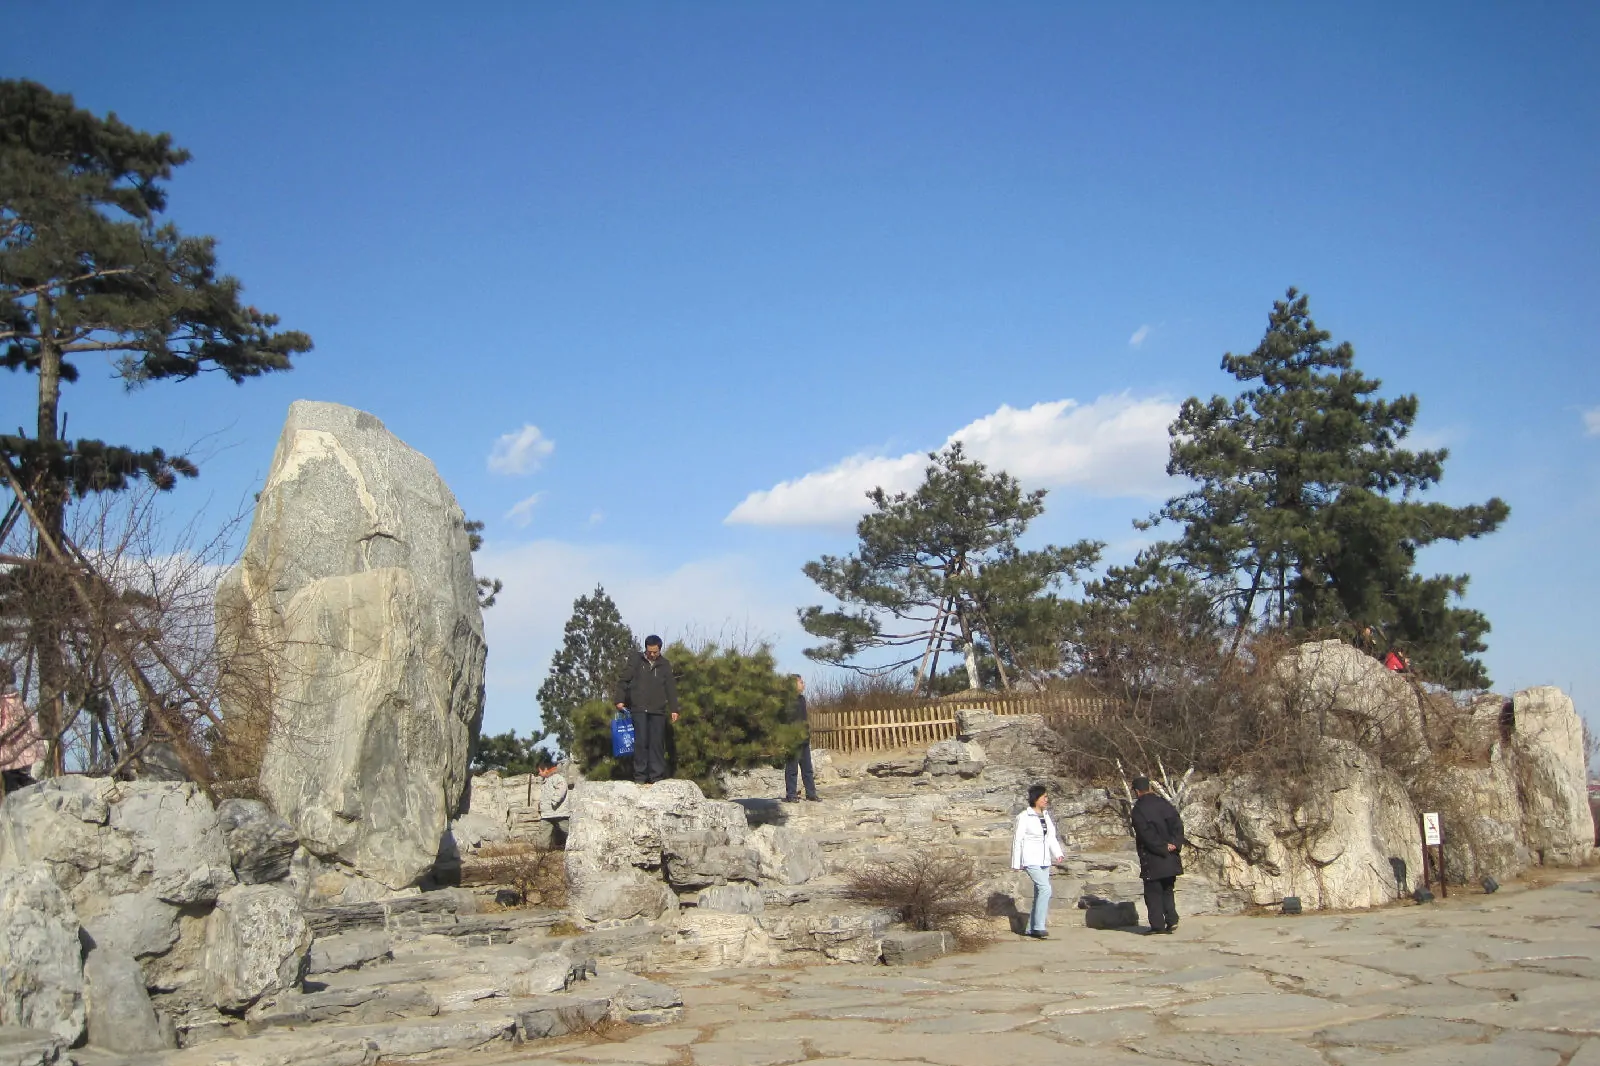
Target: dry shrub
point(854, 691)
point(933, 889)
point(1187, 697)
point(535, 875)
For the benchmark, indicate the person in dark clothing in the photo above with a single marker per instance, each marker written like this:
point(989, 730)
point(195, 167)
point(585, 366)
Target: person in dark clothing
point(1159, 832)
point(799, 763)
point(646, 690)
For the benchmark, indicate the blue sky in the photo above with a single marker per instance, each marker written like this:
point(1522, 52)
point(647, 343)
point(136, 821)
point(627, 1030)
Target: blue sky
point(659, 286)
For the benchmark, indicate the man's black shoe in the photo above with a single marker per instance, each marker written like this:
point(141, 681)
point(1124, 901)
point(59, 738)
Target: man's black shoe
point(814, 799)
point(1040, 935)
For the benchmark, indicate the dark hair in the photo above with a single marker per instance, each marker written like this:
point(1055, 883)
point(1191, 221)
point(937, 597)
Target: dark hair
point(1141, 784)
point(652, 641)
point(1034, 793)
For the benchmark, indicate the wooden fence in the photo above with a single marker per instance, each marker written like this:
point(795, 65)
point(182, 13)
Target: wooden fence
point(918, 725)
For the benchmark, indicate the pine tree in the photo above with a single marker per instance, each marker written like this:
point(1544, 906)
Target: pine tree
point(943, 564)
point(594, 650)
point(1304, 512)
point(735, 705)
point(87, 267)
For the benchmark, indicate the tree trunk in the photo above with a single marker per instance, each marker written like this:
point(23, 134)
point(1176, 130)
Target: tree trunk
point(46, 635)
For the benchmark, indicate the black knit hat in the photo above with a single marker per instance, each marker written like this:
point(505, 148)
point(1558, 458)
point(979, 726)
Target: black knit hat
point(1141, 784)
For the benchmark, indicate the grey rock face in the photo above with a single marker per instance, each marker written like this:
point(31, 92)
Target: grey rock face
point(260, 844)
point(348, 951)
point(29, 1047)
point(954, 757)
point(620, 837)
point(128, 854)
point(787, 856)
point(1547, 742)
point(41, 968)
point(354, 609)
point(256, 943)
point(120, 1016)
point(731, 899)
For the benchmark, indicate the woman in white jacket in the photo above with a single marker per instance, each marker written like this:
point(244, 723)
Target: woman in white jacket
point(1034, 848)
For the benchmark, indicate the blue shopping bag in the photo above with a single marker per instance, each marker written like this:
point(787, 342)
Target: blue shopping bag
point(622, 734)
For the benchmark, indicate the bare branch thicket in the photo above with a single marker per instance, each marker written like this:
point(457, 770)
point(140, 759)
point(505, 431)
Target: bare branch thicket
point(534, 874)
point(926, 888)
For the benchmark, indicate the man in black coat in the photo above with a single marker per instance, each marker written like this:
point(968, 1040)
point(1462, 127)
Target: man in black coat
point(647, 690)
point(1159, 832)
point(799, 763)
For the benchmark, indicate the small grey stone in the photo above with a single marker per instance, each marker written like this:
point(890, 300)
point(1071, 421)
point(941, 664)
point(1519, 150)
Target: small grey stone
point(260, 844)
point(900, 949)
point(558, 1015)
point(731, 899)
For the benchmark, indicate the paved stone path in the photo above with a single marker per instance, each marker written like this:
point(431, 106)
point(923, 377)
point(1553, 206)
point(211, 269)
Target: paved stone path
point(1511, 979)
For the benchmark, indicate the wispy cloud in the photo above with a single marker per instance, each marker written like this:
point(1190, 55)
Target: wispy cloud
point(1115, 446)
point(596, 517)
point(521, 513)
point(1139, 336)
point(1591, 422)
point(520, 452)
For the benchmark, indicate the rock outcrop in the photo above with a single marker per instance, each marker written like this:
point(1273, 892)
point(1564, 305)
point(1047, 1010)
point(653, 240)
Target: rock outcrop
point(260, 844)
point(41, 968)
point(351, 623)
point(1335, 848)
point(139, 861)
point(625, 844)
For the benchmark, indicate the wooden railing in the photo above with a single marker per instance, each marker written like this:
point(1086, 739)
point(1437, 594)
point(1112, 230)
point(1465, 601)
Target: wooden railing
point(918, 725)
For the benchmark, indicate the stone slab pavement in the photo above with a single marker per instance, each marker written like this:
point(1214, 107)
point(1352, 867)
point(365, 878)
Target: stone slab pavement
point(1511, 979)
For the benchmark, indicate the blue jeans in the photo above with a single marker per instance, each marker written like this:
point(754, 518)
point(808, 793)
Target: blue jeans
point(1040, 876)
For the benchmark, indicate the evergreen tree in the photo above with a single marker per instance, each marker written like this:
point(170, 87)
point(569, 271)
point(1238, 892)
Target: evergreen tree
point(87, 267)
point(735, 716)
point(943, 563)
point(1304, 511)
point(595, 649)
point(511, 754)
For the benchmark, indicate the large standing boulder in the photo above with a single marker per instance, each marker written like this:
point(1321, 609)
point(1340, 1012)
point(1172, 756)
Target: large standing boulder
point(257, 942)
point(351, 623)
point(623, 841)
point(41, 958)
point(1546, 741)
point(1333, 680)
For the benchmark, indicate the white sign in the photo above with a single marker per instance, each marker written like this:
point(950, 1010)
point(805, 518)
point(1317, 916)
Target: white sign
point(1430, 829)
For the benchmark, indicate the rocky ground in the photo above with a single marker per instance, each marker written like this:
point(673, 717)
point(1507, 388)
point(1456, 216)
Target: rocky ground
point(1512, 978)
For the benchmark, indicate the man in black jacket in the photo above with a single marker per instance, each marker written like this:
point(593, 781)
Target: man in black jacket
point(1159, 832)
point(799, 763)
point(647, 691)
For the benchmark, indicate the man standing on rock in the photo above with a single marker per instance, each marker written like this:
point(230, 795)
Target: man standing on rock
point(1158, 829)
point(799, 764)
point(647, 691)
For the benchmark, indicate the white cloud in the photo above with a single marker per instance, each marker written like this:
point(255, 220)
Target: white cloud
point(729, 596)
point(1139, 336)
point(1591, 422)
point(1115, 446)
point(522, 512)
point(596, 517)
point(520, 452)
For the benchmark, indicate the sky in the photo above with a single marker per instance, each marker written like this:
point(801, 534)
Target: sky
point(663, 288)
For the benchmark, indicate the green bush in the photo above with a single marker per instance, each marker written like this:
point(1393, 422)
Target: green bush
point(735, 717)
